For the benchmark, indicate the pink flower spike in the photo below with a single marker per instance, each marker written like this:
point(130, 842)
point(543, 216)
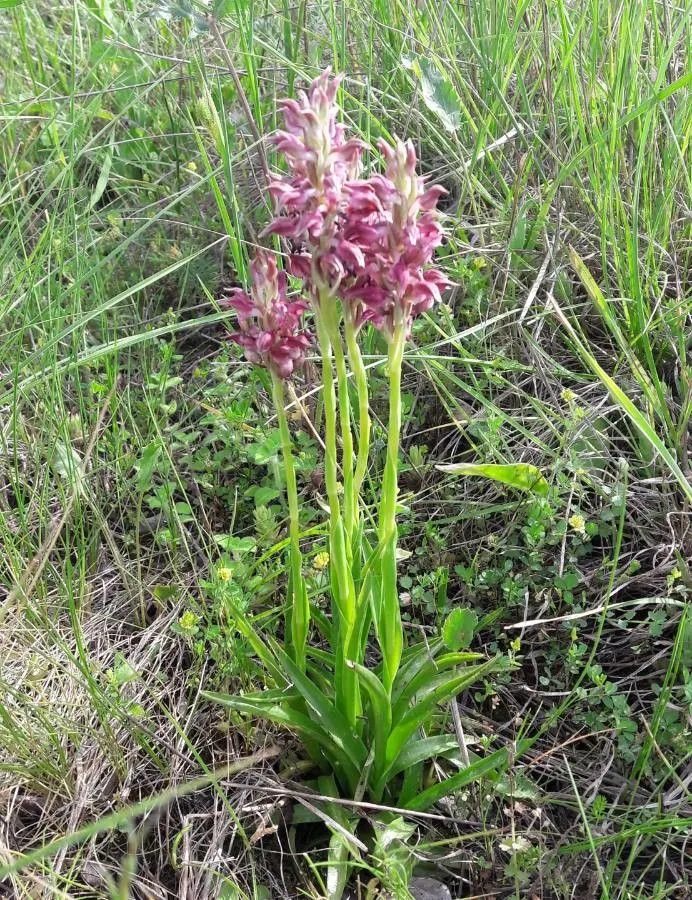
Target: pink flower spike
point(371, 241)
point(313, 198)
point(394, 220)
point(291, 228)
point(269, 323)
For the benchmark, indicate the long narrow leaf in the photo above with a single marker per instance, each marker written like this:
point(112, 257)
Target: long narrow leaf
point(323, 712)
point(424, 749)
point(522, 476)
point(425, 678)
point(417, 752)
point(412, 661)
point(447, 686)
point(494, 762)
point(381, 714)
point(293, 719)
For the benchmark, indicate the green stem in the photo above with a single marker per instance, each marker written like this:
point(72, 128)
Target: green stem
point(361, 379)
point(343, 589)
point(329, 401)
point(350, 501)
point(388, 614)
point(298, 608)
point(387, 523)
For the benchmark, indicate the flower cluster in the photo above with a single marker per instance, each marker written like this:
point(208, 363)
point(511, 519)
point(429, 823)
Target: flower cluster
point(269, 323)
point(312, 198)
point(368, 241)
point(397, 283)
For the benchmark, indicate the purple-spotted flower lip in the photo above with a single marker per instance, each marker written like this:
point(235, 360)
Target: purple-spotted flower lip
point(269, 324)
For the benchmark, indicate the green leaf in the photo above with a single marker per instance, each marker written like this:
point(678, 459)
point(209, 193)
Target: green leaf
point(517, 240)
point(122, 671)
point(146, 465)
point(381, 712)
point(439, 94)
point(235, 545)
point(424, 675)
point(10, 4)
point(262, 495)
point(343, 841)
point(343, 589)
point(440, 689)
point(419, 751)
point(459, 628)
point(473, 772)
point(323, 711)
point(283, 713)
point(267, 450)
point(413, 660)
point(266, 698)
point(68, 465)
point(337, 866)
point(522, 476)
point(568, 581)
point(254, 639)
point(411, 784)
point(518, 786)
point(104, 174)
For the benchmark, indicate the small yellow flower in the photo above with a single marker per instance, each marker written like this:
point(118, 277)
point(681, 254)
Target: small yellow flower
point(577, 523)
point(189, 620)
point(191, 166)
point(568, 396)
point(479, 263)
point(224, 573)
point(320, 561)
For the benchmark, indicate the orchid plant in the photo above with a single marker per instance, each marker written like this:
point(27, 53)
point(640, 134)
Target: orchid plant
point(362, 248)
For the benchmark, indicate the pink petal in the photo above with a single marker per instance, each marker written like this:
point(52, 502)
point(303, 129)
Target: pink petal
point(298, 265)
point(264, 341)
point(429, 199)
point(285, 227)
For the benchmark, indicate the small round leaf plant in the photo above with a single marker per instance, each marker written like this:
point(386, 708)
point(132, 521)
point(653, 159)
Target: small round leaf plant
point(363, 249)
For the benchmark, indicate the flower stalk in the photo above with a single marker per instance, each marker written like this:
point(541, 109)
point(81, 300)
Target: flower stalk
point(360, 376)
point(350, 500)
point(389, 615)
point(331, 467)
point(297, 615)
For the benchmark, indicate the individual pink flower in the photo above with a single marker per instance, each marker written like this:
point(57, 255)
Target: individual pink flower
point(402, 227)
point(269, 323)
